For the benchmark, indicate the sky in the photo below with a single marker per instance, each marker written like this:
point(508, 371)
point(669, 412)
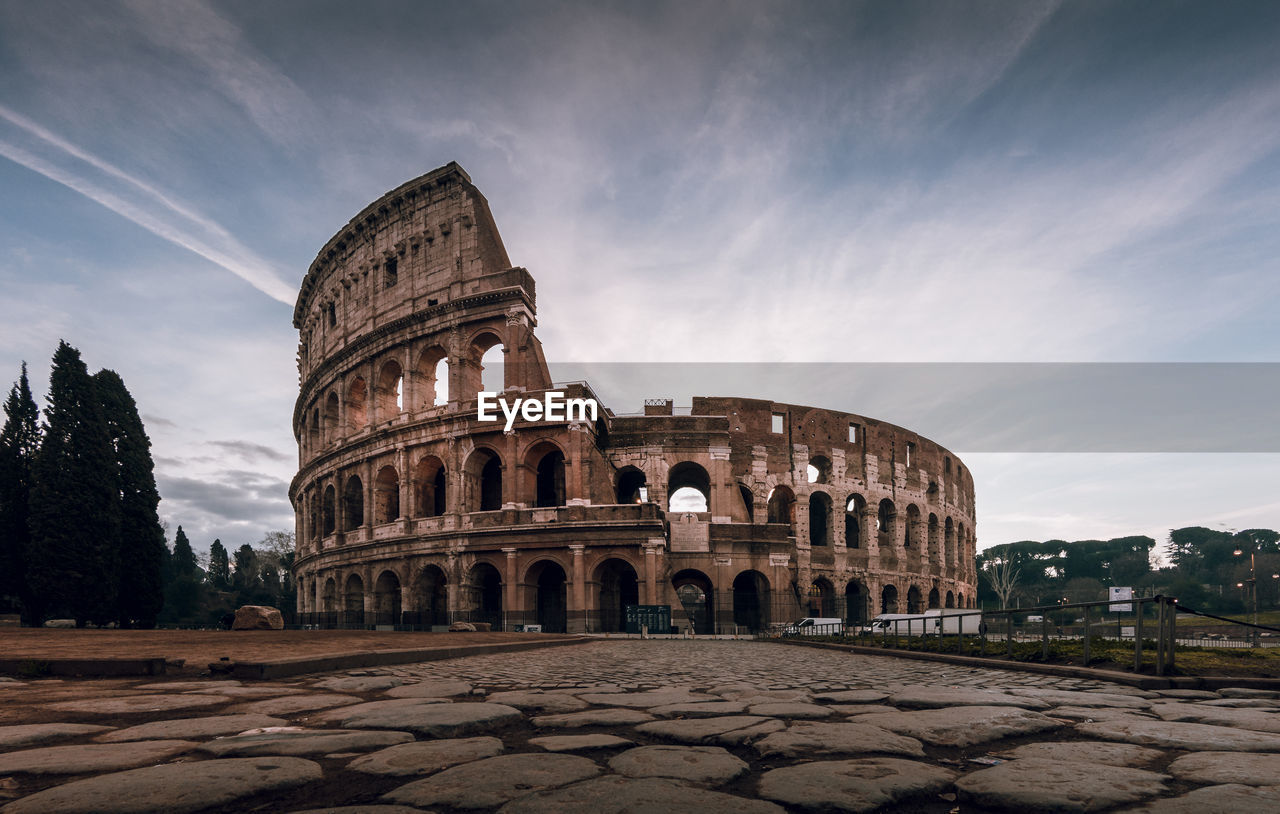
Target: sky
point(786, 182)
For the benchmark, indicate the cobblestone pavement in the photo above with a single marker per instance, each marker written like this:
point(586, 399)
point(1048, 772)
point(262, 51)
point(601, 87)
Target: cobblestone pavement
point(637, 726)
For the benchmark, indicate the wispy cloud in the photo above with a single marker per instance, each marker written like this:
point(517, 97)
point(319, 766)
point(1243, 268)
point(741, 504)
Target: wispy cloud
point(135, 200)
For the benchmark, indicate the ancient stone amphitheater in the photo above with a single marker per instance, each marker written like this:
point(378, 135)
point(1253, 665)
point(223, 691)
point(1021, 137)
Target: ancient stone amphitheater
point(741, 514)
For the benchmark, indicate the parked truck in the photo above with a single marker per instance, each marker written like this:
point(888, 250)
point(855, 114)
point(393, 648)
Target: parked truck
point(947, 621)
point(815, 626)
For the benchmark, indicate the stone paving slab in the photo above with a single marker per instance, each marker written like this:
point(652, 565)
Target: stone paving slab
point(1227, 767)
point(804, 739)
point(578, 743)
point(121, 705)
point(436, 720)
point(1110, 754)
point(23, 735)
point(302, 742)
point(704, 730)
point(187, 728)
point(852, 785)
point(933, 697)
point(624, 795)
point(494, 781)
point(708, 765)
point(96, 757)
point(1225, 799)
point(1257, 720)
point(962, 726)
point(294, 704)
point(426, 757)
point(1036, 784)
point(594, 717)
point(1175, 735)
point(173, 788)
point(430, 689)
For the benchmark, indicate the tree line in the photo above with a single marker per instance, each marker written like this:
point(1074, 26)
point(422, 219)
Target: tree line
point(1208, 569)
point(80, 533)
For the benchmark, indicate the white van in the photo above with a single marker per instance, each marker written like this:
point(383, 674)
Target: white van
point(1034, 620)
point(815, 626)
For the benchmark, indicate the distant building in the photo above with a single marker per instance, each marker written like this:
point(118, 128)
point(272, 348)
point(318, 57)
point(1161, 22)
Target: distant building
point(411, 511)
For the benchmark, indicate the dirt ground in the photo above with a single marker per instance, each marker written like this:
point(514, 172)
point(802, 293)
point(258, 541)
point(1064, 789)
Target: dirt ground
point(200, 647)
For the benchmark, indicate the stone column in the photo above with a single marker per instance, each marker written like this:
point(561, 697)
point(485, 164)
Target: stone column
point(577, 616)
point(510, 589)
point(719, 503)
point(370, 394)
point(367, 474)
point(510, 474)
point(650, 561)
point(573, 486)
point(402, 464)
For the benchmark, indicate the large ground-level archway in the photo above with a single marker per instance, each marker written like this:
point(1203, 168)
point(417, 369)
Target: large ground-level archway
point(618, 588)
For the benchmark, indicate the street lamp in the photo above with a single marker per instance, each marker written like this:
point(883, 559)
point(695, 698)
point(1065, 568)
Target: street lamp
point(1253, 585)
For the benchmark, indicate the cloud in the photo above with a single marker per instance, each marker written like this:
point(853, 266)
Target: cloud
point(250, 451)
point(137, 201)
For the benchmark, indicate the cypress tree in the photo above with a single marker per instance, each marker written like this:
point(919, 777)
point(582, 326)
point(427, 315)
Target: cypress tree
point(141, 544)
point(219, 567)
point(19, 442)
point(182, 593)
point(75, 501)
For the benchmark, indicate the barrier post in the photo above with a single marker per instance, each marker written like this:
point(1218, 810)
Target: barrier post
point(1087, 608)
point(1137, 639)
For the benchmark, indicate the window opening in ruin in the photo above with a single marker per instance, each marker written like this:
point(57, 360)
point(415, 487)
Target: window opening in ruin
point(429, 477)
point(687, 499)
point(386, 495)
point(819, 469)
point(910, 449)
point(491, 370)
point(327, 514)
point(392, 272)
point(631, 486)
point(946, 465)
point(491, 485)
point(389, 399)
point(689, 487)
point(819, 518)
point(748, 503)
point(782, 506)
point(853, 433)
point(352, 504)
point(777, 425)
point(853, 522)
point(550, 485)
point(333, 315)
point(442, 383)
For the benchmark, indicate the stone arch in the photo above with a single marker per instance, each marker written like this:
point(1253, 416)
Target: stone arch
point(431, 595)
point(696, 595)
point(386, 495)
point(550, 586)
point(482, 474)
point(328, 511)
point(631, 485)
point(822, 598)
point(433, 377)
point(889, 599)
point(914, 604)
point(352, 503)
point(353, 599)
point(329, 597)
point(331, 418)
point(961, 546)
point(545, 461)
point(782, 506)
point(618, 586)
point(389, 393)
point(950, 600)
point(856, 599)
point(855, 509)
point(935, 538)
point(386, 598)
point(314, 441)
point(819, 519)
point(683, 481)
point(934, 601)
point(751, 601)
point(819, 469)
point(744, 508)
point(484, 584)
point(886, 523)
point(911, 534)
point(476, 357)
point(949, 541)
point(430, 487)
point(357, 405)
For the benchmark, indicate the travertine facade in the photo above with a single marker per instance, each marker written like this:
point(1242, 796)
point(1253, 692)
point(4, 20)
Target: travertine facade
point(410, 511)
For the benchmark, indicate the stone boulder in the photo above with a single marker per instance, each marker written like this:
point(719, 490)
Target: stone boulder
point(462, 627)
point(257, 617)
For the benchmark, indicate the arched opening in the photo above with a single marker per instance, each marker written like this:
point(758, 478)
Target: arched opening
point(386, 599)
point(855, 602)
point(429, 483)
point(550, 603)
point(619, 587)
point(950, 600)
point(328, 517)
point(960, 600)
point(486, 595)
point(357, 405)
point(329, 598)
point(933, 599)
point(822, 598)
point(483, 473)
point(961, 541)
point(688, 488)
point(854, 510)
point(491, 370)
point(632, 486)
point(886, 521)
point(911, 535)
point(913, 600)
point(751, 601)
point(548, 475)
point(782, 506)
point(949, 541)
point(744, 509)
point(386, 495)
point(432, 595)
point(353, 601)
point(432, 378)
point(935, 538)
point(819, 519)
point(693, 589)
point(331, 433)
point(389, 396)
point(313, 432)
point(313, 516)
point(819, 469)
point(482, 367)
point(889, 599)
point(352, 504)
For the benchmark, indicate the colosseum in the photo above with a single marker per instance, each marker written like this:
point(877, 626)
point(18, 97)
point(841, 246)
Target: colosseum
point(412, 512)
